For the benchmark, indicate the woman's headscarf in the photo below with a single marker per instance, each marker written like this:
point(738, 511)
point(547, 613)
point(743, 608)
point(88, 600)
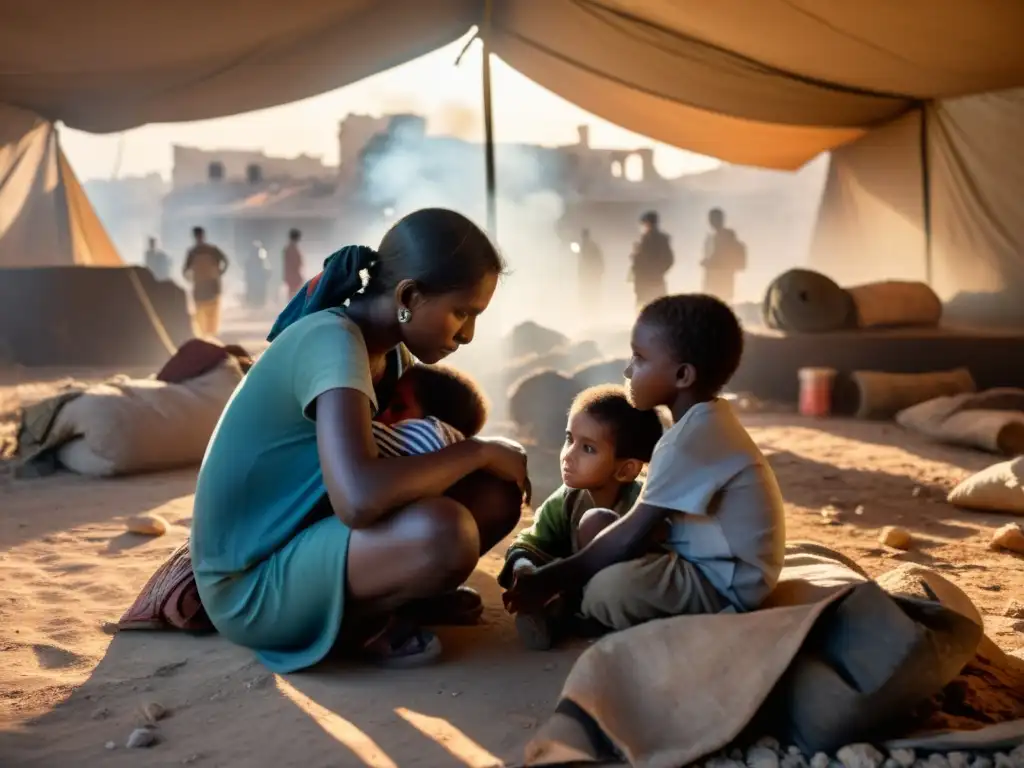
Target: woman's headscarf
point(337, 283)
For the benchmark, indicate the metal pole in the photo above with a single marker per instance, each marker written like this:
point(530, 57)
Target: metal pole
point(492, 196)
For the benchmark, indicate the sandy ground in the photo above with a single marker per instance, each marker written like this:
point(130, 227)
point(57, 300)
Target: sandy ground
point(67, 567)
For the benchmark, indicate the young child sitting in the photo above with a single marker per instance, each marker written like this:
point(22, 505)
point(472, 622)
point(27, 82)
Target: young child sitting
point(607, 442)
point(706, 477)
point(432, 406)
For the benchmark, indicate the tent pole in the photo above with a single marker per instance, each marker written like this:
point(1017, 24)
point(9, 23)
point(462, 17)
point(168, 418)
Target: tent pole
point(492, 203)
point(926, 192)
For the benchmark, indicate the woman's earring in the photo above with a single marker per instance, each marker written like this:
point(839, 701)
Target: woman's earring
point(404, 315)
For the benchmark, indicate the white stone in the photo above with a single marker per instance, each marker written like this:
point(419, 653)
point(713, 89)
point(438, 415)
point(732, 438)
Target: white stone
point(147, 525)
point(762, 757)
point(140, 738)
point(905, 757)
point(859, 756)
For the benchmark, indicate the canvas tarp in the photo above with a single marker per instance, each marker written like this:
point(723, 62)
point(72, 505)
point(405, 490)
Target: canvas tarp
point(45, 217)
point(967, 154)
point(769, 83)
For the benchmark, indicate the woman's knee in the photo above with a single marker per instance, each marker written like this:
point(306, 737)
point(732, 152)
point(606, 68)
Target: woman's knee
point(447, 538)
point(495, 504)
point(592, 523)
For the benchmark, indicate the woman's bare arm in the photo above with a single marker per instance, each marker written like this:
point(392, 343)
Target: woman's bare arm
point(361, 486)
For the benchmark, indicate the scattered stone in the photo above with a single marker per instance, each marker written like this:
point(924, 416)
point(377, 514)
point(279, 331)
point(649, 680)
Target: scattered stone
point(141, 738)
point(147, 525)
point(1014, 609)
point(896, 537)
point(890, 763)
point(917, 491)
point(724, 762)
point(794, 750)
point(102, 713)
point(762, 757)
point(1009, 537)
point(109, 627)
point(1002, 760)
point(791, 760)
point(153, 712)
point(981, 762)
point(935, 760)
point(859, 756)
point(859, 509)
point(768, 742)
point(736, 754)
point(830, 515)
point(820, 760)
point(260, 681)
point(110, 745)
point(959, 760)
point(905, 757)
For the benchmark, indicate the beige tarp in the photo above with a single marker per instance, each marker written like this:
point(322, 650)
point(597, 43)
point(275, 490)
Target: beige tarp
point(763, 82)
point(872, 218)
point(45, 217)
point(771, 82)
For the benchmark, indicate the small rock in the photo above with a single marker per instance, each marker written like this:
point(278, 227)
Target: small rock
point(260, 681)
point(147, 525)
point(958, 760)
point(1009, 537)
point(794, 750)
point(981, 762)
point(110, 745)
point(762, 757)
point(859, 509)
point(917, 491)
point(793, 761)
point(153, 711)
point(736, 754)
point(100, 714)
point(896, 537)
point(768, 742)
point(935, 760)
point(141, 738)
point(109, 628)
point(191, 759)
point(890, 763)
point(820, 760)
point(905, 757)
point(859, 756)
point(1002, 760)
point(1014, 609)
point(724, 762)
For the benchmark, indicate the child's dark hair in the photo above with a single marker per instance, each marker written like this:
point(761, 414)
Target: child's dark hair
point(441, 250)
point(635, 432)
point(451, 396)
point(700, 330)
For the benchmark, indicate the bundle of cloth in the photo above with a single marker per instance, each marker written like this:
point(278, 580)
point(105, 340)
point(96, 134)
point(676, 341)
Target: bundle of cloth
point(125, 426)
point(834, 658)
point(805, 301)
point(991, 420)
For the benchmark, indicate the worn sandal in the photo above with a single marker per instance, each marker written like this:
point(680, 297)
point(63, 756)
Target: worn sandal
point(402, 645)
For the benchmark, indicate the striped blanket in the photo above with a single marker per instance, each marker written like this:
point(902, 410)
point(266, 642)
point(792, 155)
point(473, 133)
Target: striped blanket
point(413, 437)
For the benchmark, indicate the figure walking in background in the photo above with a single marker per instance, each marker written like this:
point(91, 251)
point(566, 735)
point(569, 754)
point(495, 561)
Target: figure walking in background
point(257, 277)
point(205, 265)
point(157, 262)
point(724, 256)
point(591, 273)
point(292, 272)
point(651, 260)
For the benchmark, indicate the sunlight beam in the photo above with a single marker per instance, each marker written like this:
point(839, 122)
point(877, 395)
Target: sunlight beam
point(361, 745)
point(458, 744)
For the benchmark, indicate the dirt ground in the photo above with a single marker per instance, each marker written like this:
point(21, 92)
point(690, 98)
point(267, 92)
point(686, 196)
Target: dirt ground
point(67, 567)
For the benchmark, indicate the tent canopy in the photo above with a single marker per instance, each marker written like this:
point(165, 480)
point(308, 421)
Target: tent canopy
point(922, 181)
point(763, 82)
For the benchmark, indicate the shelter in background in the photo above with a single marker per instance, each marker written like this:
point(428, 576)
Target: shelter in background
point(45, 217)
point(925, 184)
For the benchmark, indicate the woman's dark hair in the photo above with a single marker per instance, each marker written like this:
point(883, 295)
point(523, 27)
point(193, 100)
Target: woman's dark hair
point(441, 250)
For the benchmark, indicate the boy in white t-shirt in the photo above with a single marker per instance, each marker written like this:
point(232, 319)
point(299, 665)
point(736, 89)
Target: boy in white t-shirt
point(707, 478)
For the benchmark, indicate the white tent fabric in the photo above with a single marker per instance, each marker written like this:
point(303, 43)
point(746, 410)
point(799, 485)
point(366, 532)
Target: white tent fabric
point(45, 217)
